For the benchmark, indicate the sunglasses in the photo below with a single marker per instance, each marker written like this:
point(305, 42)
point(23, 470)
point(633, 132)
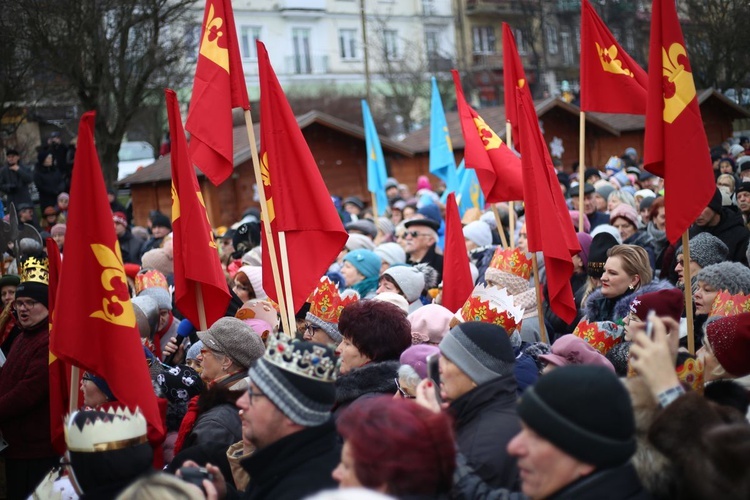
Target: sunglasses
point(414, 234)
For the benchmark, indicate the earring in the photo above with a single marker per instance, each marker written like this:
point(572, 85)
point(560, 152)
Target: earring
point(631, 287)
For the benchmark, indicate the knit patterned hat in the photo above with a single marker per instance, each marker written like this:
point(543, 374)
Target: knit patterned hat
point(706, 249)
point(233, 338)
point(409, 279)
point(600, 245)
point(669, 302)
point(481, 350)
point(326, 305)
point(730, 276)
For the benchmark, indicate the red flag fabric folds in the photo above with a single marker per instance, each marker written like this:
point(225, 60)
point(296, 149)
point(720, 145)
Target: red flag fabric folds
point(457, 282)
point(219, 86)
point(611, 81)
point(93, 302)
point(196, 258)
point(498, 168)
point(675, 145)
point(298, 201)
point(514, 79)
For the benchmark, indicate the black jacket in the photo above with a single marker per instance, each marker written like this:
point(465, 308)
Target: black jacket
point(732, 231)
point(131, 248)
point(50, 183)
point(16, 184)
point(486, 421)
point(374, 379)
point(434, 259)
point(294, 467)
point(597, 219)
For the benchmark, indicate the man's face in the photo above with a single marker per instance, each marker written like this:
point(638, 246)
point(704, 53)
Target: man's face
point(159, 231)
point(7, 294)
point(30, 312)
point(417, 238)
point(743, 201)
point(543, 467)
point(262, 422)
point(589, 203)
point(705, 217)
point(26, 215)
point(119, 229)
point(352, 209)
point(163, 318)
point(12, 159)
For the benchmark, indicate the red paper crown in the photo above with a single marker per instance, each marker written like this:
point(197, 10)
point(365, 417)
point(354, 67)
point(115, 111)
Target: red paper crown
point(326, 303)
point(347, 299)
point(601, 335)
point(513, 261)
point(492, 305)
point(725, 304)
point(691, 372)
point(149, 279)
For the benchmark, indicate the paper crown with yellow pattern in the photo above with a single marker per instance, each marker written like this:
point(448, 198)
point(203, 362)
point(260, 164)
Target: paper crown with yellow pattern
point(513, 261)
point(35, 270)
point(725, 304)
point(490, 304)
point(601, 335)
point(90, 431)
point(148, 279)
point(326, 303)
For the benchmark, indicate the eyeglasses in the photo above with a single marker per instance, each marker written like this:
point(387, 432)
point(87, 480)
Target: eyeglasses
point(27, 305)
point(404, 394)
point(414, 234)
point(251, 394)
point(209, 351)
point(311, 328)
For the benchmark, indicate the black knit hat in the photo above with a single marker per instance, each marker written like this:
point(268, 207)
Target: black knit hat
point(716, 202)
point(160, 220)
point(600, 245)
point(481, 350)
point(584, 411)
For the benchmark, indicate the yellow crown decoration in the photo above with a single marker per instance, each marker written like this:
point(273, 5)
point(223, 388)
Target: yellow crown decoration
point(725, 304)
point(119, 428)
point(326, 302)
point(35, 270)
point(489, 304)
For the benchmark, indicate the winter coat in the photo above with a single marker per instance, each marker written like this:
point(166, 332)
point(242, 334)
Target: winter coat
point(486, 421)
point(217, 420)
point(150, 244)
point(296, 466)
point(24, 396)
point(368, 381)
point(131, 248)
point(50, 183)
point(645, 241)
point(434, 259)
point(597, 219)
point(732, 231)
point(601, 308)
point(16, 185)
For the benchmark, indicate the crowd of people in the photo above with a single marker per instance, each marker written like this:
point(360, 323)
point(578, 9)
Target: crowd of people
point(382, 392)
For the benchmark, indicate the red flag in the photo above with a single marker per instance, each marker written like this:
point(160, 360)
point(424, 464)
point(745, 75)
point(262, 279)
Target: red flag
point(218, 87)
point(514, 78)
point(298, 201)
point(611, 81)
point(457, 282)
point(196, 259)
point(676, 147)
point(93, 303)
point(498, 168)
point(548, 226)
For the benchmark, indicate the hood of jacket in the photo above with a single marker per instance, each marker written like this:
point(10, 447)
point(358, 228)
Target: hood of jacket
point(601, 308)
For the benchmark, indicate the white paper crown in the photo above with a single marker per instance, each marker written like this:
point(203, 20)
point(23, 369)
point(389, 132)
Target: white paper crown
point(120, 429)
point(316, 364)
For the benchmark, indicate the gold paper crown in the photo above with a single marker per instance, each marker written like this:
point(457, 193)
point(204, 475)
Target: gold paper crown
point(513, 261)
point(316, 364)
point(492, 305)
point(725, 304)
point(35, 270)
point(326, 303)
point(119, 429)
point(148, 279)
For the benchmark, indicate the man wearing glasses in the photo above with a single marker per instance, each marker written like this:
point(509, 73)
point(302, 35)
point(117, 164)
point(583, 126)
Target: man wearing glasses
point(421, 237)
point(24, 394)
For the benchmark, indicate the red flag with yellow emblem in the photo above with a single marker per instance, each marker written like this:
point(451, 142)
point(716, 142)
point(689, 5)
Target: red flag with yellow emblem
point(675, 145)
point(611, 81)
point(498, 168)
point(196, 259)
point(298, 200)
point(514, 79)
point(219, 86)
point(98, 331)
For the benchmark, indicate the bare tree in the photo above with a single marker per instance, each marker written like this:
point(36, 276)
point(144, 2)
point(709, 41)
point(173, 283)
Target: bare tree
point(113, 55)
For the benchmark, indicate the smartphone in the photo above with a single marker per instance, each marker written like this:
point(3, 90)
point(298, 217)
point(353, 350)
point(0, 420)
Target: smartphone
point(650, 324)
point(433, 372)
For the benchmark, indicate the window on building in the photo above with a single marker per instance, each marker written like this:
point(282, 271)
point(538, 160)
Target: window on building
point(520, 43)
point(629, 42)
point(484, 39)
point(193, 41)
point(432, 43)
point(390, 44)
point(578, 40)
point(551, 35)
point(567, 48)
point(248, 36)
point(301, 44)
point(348, 44)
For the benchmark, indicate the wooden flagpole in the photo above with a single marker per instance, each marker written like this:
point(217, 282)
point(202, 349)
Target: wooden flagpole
point(375, 213)
point(511, 205)
point(201, 307)
point(289, 298)
point(265, 221)
point(500, 229)
point(75, 374)
point(581, 168)
point(688, 292)
point(538, 286)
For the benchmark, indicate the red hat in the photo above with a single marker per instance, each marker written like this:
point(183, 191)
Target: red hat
point(120, 218)
point(730, 341)
point(663, 302)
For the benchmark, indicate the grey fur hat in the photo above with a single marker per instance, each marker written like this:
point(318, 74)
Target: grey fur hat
point(706, 249)
point(731, 276)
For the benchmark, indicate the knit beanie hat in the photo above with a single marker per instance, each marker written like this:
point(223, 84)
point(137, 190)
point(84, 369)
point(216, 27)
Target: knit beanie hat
point(583, 410)
point(255, 276)
point(161, 220)
point(357, 241)
point(385, 226)
point(392, 253)
point(706, 249)
point(233, 338)
point(58, 229)
point(367, 262)
point(409, 279)
point(160, 295)
point(481, 350)
point(194, 351)
point(429, 324)
point(590, 172)
point(716, 202)
point(600, 245)
point(730, 340)
point(669, 302)
point(736, 150)
point(626, 212)
point(101, 384)
point(299, 379)
point(585, 241)
point(416, 357)
point(730, 276)
point(478, 232)
point(157, 259)
point(395, 299)
point(605, 190)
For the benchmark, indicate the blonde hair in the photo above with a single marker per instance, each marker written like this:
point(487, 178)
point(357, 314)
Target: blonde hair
point(635, 262)
point(728, 177)
point(160, 485)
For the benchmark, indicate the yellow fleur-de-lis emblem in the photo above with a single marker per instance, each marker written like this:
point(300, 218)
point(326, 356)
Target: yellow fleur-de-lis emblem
point(265, 175)
point(489, 138)
point(175, 203)
point(677, 82)
point(474, 192)
point(116, 306)
point(610, 62)
point(212, 241)
point(213, 32)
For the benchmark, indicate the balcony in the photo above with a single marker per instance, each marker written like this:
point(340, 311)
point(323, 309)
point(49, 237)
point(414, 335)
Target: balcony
point(306, 65)
point(497, 7)
point(487, 61)
point(302, 8)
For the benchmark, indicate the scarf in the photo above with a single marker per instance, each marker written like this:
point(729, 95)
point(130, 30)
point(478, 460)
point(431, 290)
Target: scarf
point(366, 286)
point(659, 237)
point(186, 427)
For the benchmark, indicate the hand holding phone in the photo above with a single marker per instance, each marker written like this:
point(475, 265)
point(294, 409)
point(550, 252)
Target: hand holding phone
point(433, 373)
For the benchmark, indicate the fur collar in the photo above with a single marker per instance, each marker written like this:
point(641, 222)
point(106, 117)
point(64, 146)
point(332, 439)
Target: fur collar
point(372, 378)
point(600, 308)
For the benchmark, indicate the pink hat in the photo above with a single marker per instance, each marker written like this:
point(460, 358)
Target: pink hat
point(259, 326)
point(429, 324)
point(572, 350)
point(416, 357)
point(626, 212)
point(423, 182)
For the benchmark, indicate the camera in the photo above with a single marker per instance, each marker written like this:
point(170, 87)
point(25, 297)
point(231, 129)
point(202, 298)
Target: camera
point(196, 475)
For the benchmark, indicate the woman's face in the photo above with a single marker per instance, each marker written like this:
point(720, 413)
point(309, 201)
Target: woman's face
point(710, 364)
point(63, 202)
point(615, 281)
point(396, 217)
point(704, 298)
point(242, 287)
point(211, 363)
point(523, 241)
point(409, 212)
point(632, 324)
point(93, 397)
point(601, 203)
point(350, 274)
point(453, 382)
point(680, 269)
point(626, 228)
point(386, 285)
point(660, 221)
point(578, 264)
point(350, 356)
point(725, 167)
point(344, 473)
point(613, 203)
